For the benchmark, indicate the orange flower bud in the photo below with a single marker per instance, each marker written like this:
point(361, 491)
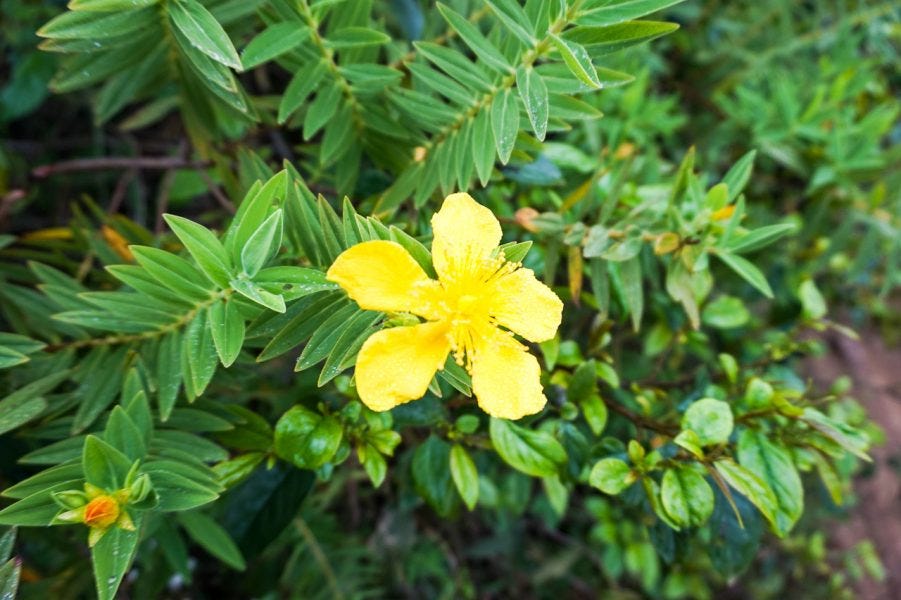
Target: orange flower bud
point(723, 213)
point(118, 243)
point(101, 512)
point(525, 217)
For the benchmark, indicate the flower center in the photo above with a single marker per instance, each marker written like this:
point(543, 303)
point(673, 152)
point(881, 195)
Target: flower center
point(101, 512)
point(466, 302)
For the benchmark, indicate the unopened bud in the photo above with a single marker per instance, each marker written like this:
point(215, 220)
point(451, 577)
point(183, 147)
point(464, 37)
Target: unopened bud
point(101, 512)
point(70, 498)
point(666, 243)
point(525, 218)
point(140, 488)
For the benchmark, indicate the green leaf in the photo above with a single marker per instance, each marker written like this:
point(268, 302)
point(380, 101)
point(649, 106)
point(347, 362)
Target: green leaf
point(432, 476)
point(533, 92)
point(686, 497)
point(95, 26)
point(465, 475)
point(583, 382)
point(306, 316)
point(456, 376)
point(710, 419)
point(259, 294)
point(504, 123)
point(747, 271)
point(611, 476)
point(227, 327)
point(123, 434)
point(717, 197)
point(198, 356)
point(327, 335)
point(773, 464)
point(600, 40)
point(622, 10)
point(515, 252)
point(322, 109)
point(142, 281)
point(535, 453)
point(168, 372)
point(758, 238)
point(454, 63)
point(356, 37)
point(20, 343)
point(470, 34)
point(109, 5)
point(176, 491)
point(690, 441)
point(234, 471)
point(26, 403)
point(739, 175)
point(17, 410)
point(854, 441)
point(56, 452)
point(35, 510)
point(419, 252)
point(203, 31)
point(205, 247)
point(482, 150)
point(750, 486)
point(307, 439)
point(112, 557)
point(256, 208)
point(10, 572)
point(262, 244)
point(68, 474)
point(103, 465)
point(577, 60)
point(272, 42)
point(348, 344)
point(293, 282)
point(212, 537)
point(726, 312)
point(557, 494)
point(515, 19)
point(595, 412)
point(304, 82)
point(374, 464)
point(174, 272)
point(813, 305)
point(633, 289)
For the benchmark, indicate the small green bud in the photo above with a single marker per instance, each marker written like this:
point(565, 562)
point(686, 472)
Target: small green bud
point(140, 488)
point(636, 452)
point(70, 498)
point(467, 423)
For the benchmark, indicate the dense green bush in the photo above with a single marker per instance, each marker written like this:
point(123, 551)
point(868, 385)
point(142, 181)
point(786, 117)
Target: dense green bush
point(220, 316)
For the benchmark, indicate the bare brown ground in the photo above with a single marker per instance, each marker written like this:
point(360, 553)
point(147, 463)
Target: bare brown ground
point(876, 371)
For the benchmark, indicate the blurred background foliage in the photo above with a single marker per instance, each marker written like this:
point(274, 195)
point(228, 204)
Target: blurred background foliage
point(806, 92)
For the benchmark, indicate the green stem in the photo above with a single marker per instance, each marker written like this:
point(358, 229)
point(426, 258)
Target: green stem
point(113, 340)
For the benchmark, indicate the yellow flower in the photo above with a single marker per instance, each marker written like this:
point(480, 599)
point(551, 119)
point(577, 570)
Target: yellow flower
point(472, 310)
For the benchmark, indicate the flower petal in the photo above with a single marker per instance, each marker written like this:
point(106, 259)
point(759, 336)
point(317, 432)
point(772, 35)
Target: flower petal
point(506, 379)
point(465, 233)
point(525, 306)
point(381, 275)
point(396, 365)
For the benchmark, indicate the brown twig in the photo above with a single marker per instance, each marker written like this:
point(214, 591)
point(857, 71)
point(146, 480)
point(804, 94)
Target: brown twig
point(8, 200)
point(159, 163)
point(640, 420)
point(162, 199)
point(121, 189)
point(220, 197)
